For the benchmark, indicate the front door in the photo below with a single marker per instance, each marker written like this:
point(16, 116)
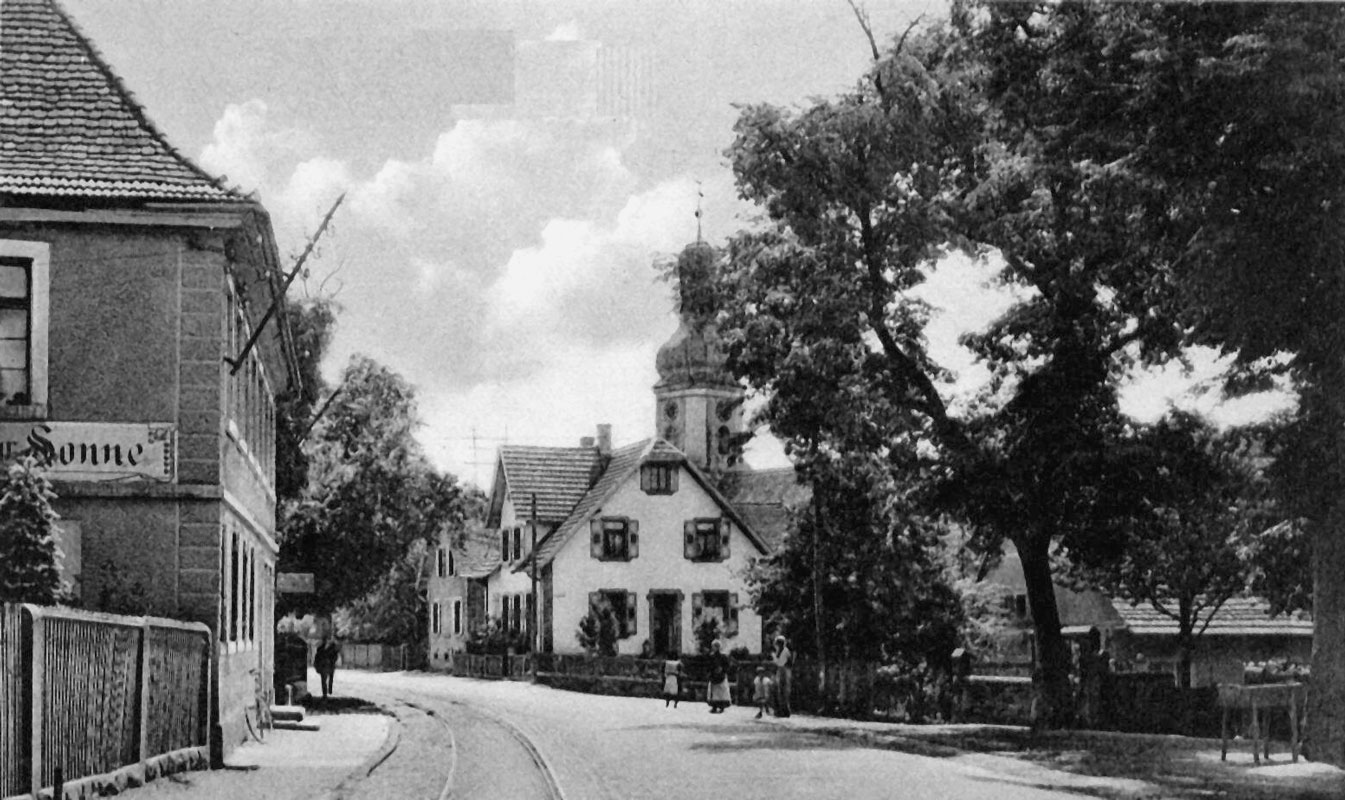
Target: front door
point(665, 622)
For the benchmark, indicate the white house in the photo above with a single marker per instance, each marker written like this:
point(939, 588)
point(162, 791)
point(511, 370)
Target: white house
point(660, 531)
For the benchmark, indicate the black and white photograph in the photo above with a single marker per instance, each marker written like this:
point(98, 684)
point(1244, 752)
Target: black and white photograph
point(672, 399)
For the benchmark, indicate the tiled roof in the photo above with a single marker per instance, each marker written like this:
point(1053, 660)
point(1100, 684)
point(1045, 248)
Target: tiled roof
point(763, 497)
point(623, 462)
point(559, 476)
point(481, 554)
point(69, 128)
point(1239, 616)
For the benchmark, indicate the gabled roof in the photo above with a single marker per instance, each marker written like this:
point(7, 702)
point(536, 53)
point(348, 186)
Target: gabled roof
point(480, 555)
point(70, 128)
point(764, 498)
point(622, 465)
point(1239, 616)
point(559, 476)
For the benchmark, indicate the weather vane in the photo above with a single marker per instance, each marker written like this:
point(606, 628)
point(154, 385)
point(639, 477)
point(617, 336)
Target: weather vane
point(699, 195)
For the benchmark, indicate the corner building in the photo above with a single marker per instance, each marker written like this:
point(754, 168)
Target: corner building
point(128, 279)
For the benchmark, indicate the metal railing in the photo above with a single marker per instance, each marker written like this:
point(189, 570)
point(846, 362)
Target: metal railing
point(87, 697)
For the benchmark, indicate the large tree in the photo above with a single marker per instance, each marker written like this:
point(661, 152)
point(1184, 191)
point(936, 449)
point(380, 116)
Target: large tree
point(863, 192)
point(370, 490)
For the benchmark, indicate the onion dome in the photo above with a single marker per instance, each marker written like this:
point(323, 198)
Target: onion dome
point(694, 355)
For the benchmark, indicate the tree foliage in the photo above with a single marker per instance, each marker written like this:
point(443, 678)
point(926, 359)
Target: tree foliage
point(312, 324)
point(1200, 496)
point(28, 552)
point(370, 490)
point(1111, 156)
point(859, 575)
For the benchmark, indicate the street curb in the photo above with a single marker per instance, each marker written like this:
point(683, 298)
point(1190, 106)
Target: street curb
point(373, 761)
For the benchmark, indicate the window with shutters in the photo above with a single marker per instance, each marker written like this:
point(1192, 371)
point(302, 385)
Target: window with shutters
point(504, 545)
point(457, 617)
point(441, 563)
point(721, 606)
point(706, 539)
point(436, 621)
point(659, 478)
point(614, 538)
point(518, 542)
point(452, 567)
point(622, 604)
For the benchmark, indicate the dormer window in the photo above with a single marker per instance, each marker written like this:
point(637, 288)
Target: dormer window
point(659, 478)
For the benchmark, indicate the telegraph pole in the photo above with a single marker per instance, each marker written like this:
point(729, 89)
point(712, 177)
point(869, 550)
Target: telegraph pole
point(536, 605)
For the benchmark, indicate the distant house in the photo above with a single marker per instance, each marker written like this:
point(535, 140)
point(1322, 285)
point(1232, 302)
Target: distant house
point(1141, 638)
point(658, 532)
point(129, 282)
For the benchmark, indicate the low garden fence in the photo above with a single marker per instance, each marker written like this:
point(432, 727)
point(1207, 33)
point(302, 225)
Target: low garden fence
point(96, 702)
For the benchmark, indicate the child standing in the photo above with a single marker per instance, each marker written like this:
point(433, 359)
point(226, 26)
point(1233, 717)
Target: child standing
point(672, 682)
point(761, 691)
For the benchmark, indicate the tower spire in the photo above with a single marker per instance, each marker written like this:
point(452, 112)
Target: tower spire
point(699, 195)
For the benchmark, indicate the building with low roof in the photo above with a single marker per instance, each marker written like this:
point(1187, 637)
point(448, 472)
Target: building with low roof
point(130, 282)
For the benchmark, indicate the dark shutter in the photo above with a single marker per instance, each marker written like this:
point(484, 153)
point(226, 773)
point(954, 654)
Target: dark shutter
point(731, 622)
point(697, 611)
point(691, 543)
point(633, 538)
point(504, 544)
point(518, 542)
point(595, 537)
point(724, 528)
point(630, 614)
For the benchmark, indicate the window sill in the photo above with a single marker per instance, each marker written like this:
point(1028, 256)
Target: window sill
point(35, 411)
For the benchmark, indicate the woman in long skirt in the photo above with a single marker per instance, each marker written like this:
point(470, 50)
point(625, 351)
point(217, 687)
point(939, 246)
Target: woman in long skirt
point(717, 694)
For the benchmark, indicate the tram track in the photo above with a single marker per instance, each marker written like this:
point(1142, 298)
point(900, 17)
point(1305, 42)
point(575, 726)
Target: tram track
point(452, 750)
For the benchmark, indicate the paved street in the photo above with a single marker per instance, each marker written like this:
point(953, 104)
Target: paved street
point(605, 748)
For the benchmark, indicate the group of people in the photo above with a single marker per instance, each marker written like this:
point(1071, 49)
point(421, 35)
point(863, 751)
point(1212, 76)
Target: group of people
point(770, 692)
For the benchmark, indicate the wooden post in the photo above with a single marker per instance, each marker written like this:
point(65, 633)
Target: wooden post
point(143, 721)
point(1293, 724)
point(534, 629)
point(38, 666)
point(1256, 733)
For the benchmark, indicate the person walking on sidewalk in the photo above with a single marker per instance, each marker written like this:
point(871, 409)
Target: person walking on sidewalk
point(783, 658)
point(717, 693)
point(672, 682)
point(324, 661)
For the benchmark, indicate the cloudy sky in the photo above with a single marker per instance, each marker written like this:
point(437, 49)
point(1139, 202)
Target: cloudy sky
point(513, 171)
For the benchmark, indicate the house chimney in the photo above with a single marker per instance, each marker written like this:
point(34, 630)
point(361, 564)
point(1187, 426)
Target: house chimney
point(586, 441)
point(604, 438)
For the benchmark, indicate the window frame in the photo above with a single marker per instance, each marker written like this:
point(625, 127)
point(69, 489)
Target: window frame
point(699, 531)
point(628, 619)
point(603, 530)
point(649, 470)
point(37, 256)
point(457, 617)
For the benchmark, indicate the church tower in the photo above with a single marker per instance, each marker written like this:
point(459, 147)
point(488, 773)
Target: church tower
point(698, 404)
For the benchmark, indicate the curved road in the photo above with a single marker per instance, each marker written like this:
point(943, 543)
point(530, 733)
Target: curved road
point(471, 739)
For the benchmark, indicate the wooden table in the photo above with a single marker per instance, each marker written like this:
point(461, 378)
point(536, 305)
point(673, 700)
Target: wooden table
point(1286, 696)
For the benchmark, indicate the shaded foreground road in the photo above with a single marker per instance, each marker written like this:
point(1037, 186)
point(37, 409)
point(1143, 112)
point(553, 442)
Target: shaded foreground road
point(612, 748)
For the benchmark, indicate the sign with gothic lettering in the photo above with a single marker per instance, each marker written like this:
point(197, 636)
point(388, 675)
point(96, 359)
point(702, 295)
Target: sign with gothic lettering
point(94, 451)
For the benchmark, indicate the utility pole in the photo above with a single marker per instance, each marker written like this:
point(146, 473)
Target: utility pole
point(536, 605)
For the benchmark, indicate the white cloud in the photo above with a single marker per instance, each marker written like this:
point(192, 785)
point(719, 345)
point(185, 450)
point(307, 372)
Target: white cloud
point(247, 149)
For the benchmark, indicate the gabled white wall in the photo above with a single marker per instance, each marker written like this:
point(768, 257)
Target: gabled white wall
point(660, 566)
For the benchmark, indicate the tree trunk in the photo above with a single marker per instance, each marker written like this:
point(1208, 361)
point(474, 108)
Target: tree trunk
point(1326, 690)
point(1053, 684)
point(1186, 643)
point(817, 596)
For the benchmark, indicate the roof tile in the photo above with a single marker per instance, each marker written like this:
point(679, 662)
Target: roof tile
point(69, 128)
